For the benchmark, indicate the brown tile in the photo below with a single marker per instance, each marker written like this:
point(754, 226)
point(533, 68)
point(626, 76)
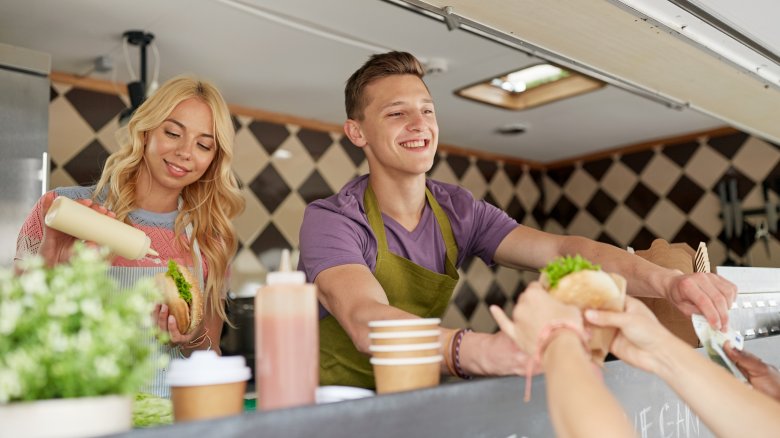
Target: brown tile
point(665, 220)
point(622, 225)
point(336, 168)
point(756, 158)
point(295, 165)
point(584, 225)
point(248, 156)
point(68, 132)
point(706, 167)
point(289, 217)
point(660, 174)
point(473, 181)
point(580, 188)
point(316, 142)
point(502, 189)
point(618, 181)
point(254, 218)
point(95, 107)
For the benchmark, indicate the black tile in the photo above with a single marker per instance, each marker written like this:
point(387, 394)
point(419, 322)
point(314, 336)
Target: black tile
point(564, 211)
point(773, 178)
point(466, 264)
point(680, 153)
point(518, 291)
point(95, 107)
point(539, 215)
point(692, 235)
point(643, 239)
point(487, 168)
point(538, 177)
point(85, 168)
point(685, 194)
point(601, 206)
point(270, 188)
point(315, 187)
point(514, 172)
point(637, 161)
point(598, 168)
point(495, 296)
point(53, 94)
point(52, 164)
point(515, 210)
point(466, 301)
point(728, 145)
point(268, 247)
point(236, 122)
point(270, 135)
point(491, 200)
point(353, 152)
point(641, 200)
point(561, 174)
point(739, 245)
point(459, 164)
point(316, 142)
point(604, 237)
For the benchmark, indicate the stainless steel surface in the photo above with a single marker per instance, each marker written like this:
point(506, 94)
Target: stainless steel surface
point(24, 127)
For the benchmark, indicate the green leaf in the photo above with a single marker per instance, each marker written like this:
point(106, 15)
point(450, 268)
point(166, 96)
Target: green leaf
point(563, 266)
point(182, 284)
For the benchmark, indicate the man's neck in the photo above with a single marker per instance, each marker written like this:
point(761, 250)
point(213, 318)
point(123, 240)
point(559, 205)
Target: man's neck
point(403, 199)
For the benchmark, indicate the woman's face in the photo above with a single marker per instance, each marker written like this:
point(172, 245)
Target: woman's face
point(180, 150)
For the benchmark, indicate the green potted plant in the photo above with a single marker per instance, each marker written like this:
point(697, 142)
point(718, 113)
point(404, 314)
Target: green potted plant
point(72, 343)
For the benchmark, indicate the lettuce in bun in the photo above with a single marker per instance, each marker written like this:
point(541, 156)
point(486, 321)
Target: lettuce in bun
point(182, 295)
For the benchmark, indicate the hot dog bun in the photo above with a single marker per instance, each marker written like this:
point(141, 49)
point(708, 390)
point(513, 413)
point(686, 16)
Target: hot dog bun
point(188, 316)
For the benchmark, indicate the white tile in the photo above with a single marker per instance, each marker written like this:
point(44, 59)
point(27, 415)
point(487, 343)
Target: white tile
point(69, 133)
point(528, 192)
point(623, 225)
point(288, 217)
point(111, 136)
point(479, 277)
point(618, 181)
point(295, 169)
point(336, 167)
point(253, 219)
point(443, 173)
point(580, 187)
point(665, 220)
point(705, 215)
point(453, 318)
point(706, 167)
point(481, 320)
point(756, 158)
point(501, 189)
point(584, 225)
point(508, 279)
point(552, 192)
point(474, 182)
point(660, 174)
point(247, 264)
point(248, 156)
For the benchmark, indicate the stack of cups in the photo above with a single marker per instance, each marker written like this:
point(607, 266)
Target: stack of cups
point(405, 353)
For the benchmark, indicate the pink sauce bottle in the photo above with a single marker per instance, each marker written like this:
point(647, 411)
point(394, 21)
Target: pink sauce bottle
point(286, 339)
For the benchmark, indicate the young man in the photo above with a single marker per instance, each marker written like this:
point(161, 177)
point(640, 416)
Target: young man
point(387, 246)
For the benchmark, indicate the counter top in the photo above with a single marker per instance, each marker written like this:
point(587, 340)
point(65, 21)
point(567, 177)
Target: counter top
point(486, 407)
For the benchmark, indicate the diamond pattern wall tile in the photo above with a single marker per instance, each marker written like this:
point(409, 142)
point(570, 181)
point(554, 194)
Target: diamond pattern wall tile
point(53, 94)
point(756, 158)
point(623, 225)
point(552, 192)
point(515, 210)
point(705, 215)
point(354, 153)
point(514, 172)
point(685, 194)
point(295, 166)
point(665, 220)
point(584, 225)
point(246, 264)
point(85, 167)
point(61, 178)
point(481, 320)
point(604, 237)
point(314, 188)
point(336, 168)
point(466, 300)
point(459, 164)
point(691, 235)
point(618, 181)
point(561, 174)
point(68, 131)
point(479, 277)
point(110, 135)
point(254, 218)
point(270, 135)
point(563, 211)
point(473, 181)
point(508, 280)
point(495, 296)
point(270, 188)
point(728, 145)
point(660, 174)
point(453, 318)
point(444, 173)
point(643, 239)
point(580, 188)
point(638, 160)
point(268, 247)
point(491, 200)
point(95, 107)
point(598, 168)
point(289, 217)
point(682, 152)
point(501, 189)
point(744, 183)
point(706, 167)
point(316, 142)
point(248, 156)
point(641, 199)
point(528, 192)
point(487, 168)
point(601, 206)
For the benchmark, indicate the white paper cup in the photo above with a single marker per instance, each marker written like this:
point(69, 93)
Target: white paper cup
point(207, 386)
point(405, 374)
point(395, 325)
point(405, 337)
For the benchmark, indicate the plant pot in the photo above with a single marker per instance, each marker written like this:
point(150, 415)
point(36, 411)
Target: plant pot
point(66, 417)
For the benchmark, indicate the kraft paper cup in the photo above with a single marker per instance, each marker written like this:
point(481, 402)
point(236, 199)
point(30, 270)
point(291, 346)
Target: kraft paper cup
point(403, 325)
point(406, 374)
point(207, 386)
point(412, 337)
point(405, 350)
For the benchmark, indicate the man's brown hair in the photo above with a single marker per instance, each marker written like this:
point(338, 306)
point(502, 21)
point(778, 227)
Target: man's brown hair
point(377, 67)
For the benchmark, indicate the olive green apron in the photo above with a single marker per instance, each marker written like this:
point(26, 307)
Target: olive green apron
point(409, 287)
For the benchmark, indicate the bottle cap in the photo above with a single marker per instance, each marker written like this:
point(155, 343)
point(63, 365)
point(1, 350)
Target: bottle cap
point(284, 275)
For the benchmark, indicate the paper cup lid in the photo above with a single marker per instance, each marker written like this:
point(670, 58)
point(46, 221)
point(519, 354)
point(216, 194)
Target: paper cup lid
point(333, 393)
point(405, 360)
point(403, 322)
point(207, 368)
point(412, 334)
point(404, 347)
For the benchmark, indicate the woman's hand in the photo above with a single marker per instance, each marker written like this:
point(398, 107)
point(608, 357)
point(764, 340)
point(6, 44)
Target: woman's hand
point(762, 376)
point(167, 323)
point(534, 310)
point(640, 335)
point(56, 246)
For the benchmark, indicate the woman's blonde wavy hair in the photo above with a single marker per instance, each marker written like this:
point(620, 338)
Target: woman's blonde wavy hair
point(209, 204)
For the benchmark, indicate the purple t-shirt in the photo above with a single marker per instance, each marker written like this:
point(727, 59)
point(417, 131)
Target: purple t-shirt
point(335, 230)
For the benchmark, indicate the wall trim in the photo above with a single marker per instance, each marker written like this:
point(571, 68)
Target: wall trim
point(109, 87)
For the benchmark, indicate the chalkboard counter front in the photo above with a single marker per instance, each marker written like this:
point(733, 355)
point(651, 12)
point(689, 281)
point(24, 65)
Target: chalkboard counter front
point(487, 407)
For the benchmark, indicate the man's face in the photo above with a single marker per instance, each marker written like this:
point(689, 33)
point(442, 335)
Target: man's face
point(398, 130)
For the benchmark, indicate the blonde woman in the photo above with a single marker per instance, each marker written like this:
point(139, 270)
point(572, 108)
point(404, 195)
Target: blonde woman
point(172, 179)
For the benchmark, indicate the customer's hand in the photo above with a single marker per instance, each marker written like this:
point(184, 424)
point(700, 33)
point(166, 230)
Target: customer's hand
point(762, 376)
point(640, 336)
point(534, 310)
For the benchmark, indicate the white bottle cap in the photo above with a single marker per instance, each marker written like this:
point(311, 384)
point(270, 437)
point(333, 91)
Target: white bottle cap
point(284, 275)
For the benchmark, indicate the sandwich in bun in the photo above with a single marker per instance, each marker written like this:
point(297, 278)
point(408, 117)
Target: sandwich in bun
point(182, 295)
point(576, 281)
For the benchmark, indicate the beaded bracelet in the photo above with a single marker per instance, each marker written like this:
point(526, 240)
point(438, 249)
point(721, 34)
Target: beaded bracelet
point(456, 342)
